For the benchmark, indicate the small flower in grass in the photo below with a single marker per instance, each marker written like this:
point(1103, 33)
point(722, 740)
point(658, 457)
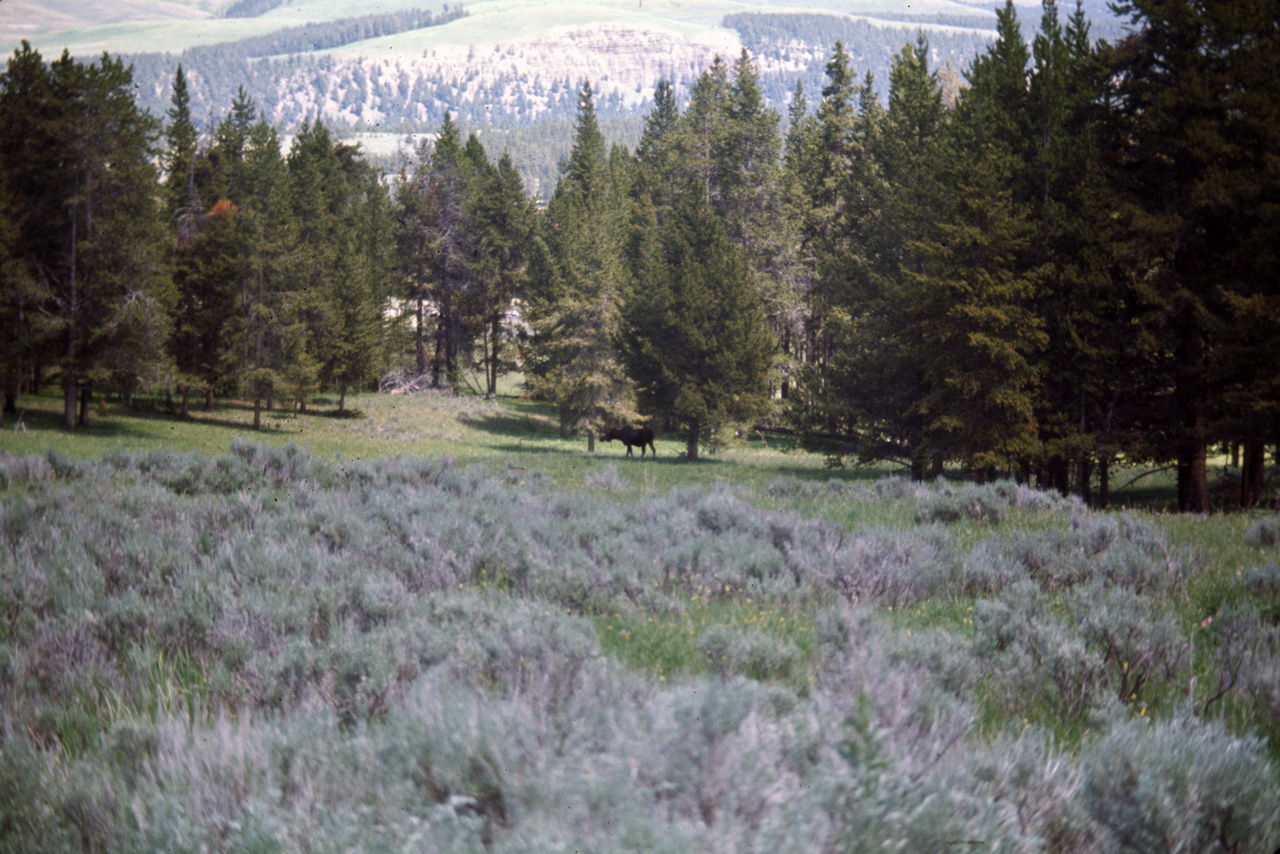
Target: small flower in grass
point(1206, 622)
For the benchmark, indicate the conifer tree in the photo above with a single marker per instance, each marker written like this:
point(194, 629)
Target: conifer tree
point(338, 290)
point(504, 217)
point(888, 224)
point(19, 302)
point(576, 319)
point(208, 272)
point(82, 187)
point(181, 137)
point(819, 158)
point(1099, 347)
point(1195, 94)
point(270, 362)
point(696, 340)
point(436, 237)
point(981, 338)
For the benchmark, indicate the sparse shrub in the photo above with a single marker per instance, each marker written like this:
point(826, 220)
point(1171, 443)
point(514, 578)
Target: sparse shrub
point(1139, 649)
point(18, 470)
point(607, 479)
point(946, 660)
point(62, 466)
point(26, 817)
point(893, 567)
point(831, 630)
point(749, 653)
point(1263, 581)
point(989, 568)
point(788, 486)
point(1181, 784)
point(1068, 653)
point(969, 502)
point(1035, 786)
point(894, 488)
point(1032, 658)
point(1264, 532)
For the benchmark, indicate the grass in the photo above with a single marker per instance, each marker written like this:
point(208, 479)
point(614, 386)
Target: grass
point(509, 432)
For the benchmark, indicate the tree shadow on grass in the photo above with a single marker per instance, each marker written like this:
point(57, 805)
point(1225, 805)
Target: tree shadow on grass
point(149, 423)
point(514, 425)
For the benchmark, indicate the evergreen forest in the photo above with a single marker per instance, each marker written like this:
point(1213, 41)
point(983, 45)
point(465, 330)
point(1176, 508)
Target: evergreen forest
point(1055, 260)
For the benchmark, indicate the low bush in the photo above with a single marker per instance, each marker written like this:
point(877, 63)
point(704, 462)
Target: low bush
point(966, 503)
point(1181, 784)
point(1263, 533)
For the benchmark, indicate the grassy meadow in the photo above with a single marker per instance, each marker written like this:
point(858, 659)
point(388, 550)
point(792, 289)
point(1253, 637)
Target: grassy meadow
point(434, 625)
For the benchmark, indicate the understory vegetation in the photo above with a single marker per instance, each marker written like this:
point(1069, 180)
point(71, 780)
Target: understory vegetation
point(269, 651)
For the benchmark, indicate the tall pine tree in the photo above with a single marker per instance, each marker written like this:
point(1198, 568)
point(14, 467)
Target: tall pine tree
point(576, 317)
point(697, 344)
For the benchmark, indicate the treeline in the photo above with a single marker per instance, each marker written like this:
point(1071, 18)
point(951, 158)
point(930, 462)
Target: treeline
point(251, 8)
point(323, 35)
point(1062, 264)
point(217, 72)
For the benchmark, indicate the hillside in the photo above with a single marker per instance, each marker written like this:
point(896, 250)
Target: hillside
point(396, 67)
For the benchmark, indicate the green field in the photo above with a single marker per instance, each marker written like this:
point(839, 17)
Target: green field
point(433, 624)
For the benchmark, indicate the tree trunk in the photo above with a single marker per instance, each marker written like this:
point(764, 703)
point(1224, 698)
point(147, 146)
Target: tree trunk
point(591, 441)
point(208, 399)
point(1252, 475)
point(86, 397)
point(70, 391)
point(496, 344)
point(257, 413)
point(420, 343)
point(1059, 474)
point(439, 356)
point(1104, 483)
point(1084, 476)
point(691, 450)
point(1193, 474)
point(342, 397)
point(186, 402)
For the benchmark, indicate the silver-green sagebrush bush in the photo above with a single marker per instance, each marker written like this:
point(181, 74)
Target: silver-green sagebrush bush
point(1181, 784)
point(1264, 532)
point(269, 652)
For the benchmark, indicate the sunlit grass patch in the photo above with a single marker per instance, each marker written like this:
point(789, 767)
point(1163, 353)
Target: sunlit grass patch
point(725, 636)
